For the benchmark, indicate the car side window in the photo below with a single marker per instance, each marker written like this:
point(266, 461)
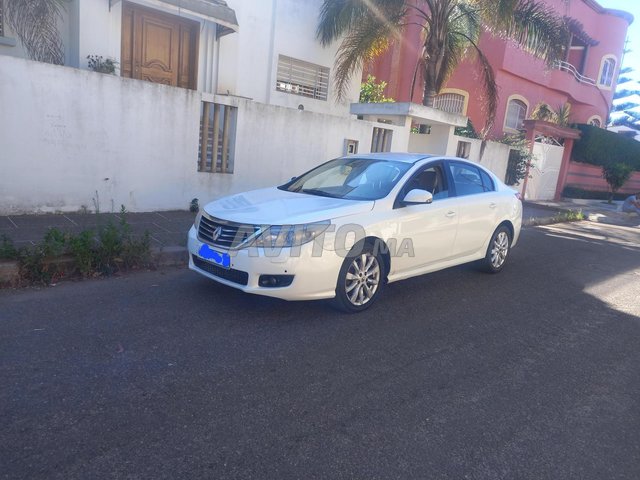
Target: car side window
point(431, 179)
point(487, 182)
point(467, 179)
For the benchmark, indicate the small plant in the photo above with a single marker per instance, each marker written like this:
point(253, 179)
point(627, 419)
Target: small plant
point(469, 131)
point(82, 247)
point(616, 175)
point(101, 65)
point(543, 112)
point(373, 92)
point(193, 206)
point(561, 116)
point(570, 216)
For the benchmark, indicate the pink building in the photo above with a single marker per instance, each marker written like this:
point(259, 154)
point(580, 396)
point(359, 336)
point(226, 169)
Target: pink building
point(585, 79)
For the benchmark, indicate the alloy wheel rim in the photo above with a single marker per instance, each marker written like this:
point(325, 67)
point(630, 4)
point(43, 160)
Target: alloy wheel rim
point(500, 249)
point(363, 279)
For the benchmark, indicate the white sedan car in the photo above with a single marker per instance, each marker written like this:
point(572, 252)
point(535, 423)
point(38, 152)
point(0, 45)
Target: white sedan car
point(346, 228)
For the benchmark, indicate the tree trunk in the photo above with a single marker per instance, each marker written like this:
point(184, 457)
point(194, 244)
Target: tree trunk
point(429, 98)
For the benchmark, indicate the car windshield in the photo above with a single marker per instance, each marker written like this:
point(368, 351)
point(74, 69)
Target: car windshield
point(350, 178)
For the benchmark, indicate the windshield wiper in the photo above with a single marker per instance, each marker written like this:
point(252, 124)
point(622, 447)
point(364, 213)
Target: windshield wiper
point(320, 193)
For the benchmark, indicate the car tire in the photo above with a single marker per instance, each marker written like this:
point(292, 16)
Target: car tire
point(360, 280)
point(498, 250)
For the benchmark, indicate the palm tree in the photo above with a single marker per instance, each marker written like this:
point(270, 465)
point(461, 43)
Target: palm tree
point(451, 32)
point(35, 22)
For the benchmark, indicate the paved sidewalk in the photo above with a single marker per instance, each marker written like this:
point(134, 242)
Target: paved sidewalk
point(596, 211)
point(169, 228)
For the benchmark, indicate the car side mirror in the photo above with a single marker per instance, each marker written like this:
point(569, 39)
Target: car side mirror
point(417, 196)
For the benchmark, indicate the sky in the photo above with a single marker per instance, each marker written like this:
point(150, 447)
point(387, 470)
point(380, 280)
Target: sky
point(632, 59)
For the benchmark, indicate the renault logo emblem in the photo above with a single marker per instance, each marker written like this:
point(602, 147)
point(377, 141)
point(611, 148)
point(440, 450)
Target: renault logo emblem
point(216, 233)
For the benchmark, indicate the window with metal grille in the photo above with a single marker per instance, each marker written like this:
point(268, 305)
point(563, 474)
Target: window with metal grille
point(516, 113)
point(302, 78)
point(217, 138)
point(450, 102)
point(381, 140)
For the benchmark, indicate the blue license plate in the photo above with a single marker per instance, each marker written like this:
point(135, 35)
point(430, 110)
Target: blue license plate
point(219, 258)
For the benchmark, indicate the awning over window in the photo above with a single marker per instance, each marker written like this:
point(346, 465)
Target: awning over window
point(215, 10)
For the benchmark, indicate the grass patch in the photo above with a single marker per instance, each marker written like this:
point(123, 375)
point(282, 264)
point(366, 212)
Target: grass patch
point(560, 217)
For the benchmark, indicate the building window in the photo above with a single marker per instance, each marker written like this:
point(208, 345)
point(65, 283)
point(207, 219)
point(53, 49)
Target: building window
point(381, 140)
point(463, 150)
point(302, 78)
point(217, 138)
point(607, 71)
point(450, 102)
point(516, 113)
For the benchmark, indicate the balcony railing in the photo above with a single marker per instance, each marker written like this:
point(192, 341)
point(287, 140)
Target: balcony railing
point(567, 67)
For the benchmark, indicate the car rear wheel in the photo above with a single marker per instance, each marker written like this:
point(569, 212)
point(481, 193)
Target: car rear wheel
point(498, 250)
point(360, 280)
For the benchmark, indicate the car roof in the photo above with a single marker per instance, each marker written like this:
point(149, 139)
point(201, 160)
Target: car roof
point(393, 156)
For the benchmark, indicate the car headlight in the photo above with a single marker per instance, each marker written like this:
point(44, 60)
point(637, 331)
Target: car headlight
point(286, 236)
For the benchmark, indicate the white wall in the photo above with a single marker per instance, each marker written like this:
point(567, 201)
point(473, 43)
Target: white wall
point(436, 143)
point(547, 160)
point(268, 28)
point(67, 134)
point(443, 141)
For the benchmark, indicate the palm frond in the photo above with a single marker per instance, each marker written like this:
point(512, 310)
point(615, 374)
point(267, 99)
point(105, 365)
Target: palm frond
point(563, 115)
point(533, 25)
point(339, 17)
point(366, 33)
point(364, 42)
point(462, 19)
point(35, 22)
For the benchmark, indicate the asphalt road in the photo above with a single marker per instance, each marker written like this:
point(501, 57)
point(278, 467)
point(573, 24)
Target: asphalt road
point(530, 374)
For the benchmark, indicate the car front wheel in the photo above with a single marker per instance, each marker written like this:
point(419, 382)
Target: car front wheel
point(360, 280)
point(498, 250)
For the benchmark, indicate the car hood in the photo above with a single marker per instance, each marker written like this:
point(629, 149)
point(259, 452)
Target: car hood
point(271, 206)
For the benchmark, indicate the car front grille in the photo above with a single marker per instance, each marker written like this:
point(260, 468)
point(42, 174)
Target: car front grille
point(224, 234)
point(235, 276)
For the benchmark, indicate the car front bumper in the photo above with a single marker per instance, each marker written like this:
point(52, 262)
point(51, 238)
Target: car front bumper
point(314, 276)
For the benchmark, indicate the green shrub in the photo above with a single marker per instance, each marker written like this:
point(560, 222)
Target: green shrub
point(616, 175)
point(601, 147)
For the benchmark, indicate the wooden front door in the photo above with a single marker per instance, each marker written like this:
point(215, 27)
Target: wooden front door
point(159, 47)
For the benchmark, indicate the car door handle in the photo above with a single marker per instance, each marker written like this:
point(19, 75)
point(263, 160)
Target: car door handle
point(451, 214)
point(493, 205)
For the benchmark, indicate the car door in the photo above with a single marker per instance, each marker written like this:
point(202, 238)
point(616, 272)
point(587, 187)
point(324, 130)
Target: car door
point(430, 228)
point(478, 204)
